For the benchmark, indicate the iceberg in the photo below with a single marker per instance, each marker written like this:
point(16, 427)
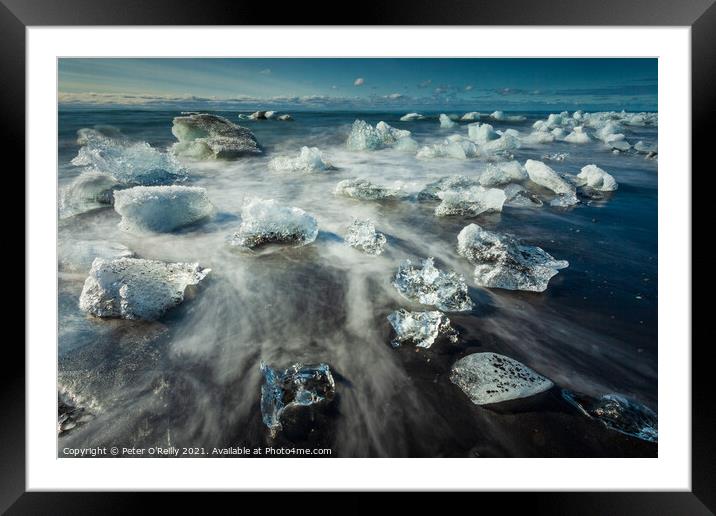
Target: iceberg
point(133, 288)
point(309, 159)
point(363, 136)
point(89, 191)
point(544, 176)
point(421, 328)
point(492, 378)
point(161, 208)
point(204, 136)
point(472, 115)
point(470, 202)
point(617, 412)
point(267, 222)
point(507, 142)
point(366, 191)
point(446, 122)
point(428, 285)
point(481, 133)
point(129, 163)
point(501, 261)
point(285, 118)
point(498, 174)
point(78, 256)
point(411, 116)
point(362, 235)
point(594, 177)
point(299, 385)
point(578, 135)
point(259, 115)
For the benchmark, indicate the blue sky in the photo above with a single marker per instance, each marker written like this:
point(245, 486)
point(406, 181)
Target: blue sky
point(380, 84)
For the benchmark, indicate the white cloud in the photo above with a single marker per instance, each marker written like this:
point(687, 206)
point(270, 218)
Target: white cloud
point(359, 81)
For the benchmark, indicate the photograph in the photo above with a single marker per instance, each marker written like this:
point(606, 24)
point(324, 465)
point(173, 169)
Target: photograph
point(346, 257)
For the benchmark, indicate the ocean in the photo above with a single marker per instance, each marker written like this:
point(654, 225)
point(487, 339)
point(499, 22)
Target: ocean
point(192, 379)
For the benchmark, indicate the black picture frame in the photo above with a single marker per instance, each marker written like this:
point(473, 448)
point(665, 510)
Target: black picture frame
point(700, 15)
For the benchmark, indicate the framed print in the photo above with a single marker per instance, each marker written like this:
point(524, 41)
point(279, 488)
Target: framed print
point(446, 251)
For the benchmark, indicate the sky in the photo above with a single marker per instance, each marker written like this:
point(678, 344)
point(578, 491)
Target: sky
point(429, 84)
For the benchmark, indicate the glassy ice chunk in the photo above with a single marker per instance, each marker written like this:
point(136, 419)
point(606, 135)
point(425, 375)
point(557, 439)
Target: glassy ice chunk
point(363, 136)
point(130, 163)
point(491, 378)
point(470, 202)
point(89, 191)
point(310, 159)
point(498, 174)
point(204, 136)
point(362, 234)
point(266, 222)
point(501, 261)
point(299, 385)
point(133, 288)
point(366, 191)
point(619, 413)
point(79, 255)
point(518, 195)
point(544, 176)
point(446, 122)
point(411, 116)
point(421, 328)
point(161, 208)
point(430, 286)
point(506, 142)
point(594, 177)
point(431, 190)
point(578, 135)
point(481, 133)
point(472, 115)
point(502, 117)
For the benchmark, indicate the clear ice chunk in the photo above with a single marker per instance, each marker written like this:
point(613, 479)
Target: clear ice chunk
point(578, 135)
point(501, 261)
point(362, 235)
point(492, 378)
point(421, 328)
point(444, 184)
point(266, 222)
point(481, 133)
point(299, 385)
point(503, 173)
point(470, 202)
point(363, 136)
point(594, 177)
point(204, 136)
point(519, 196)
point(366, 191)
point(161, 208)
point(428, 285)
point(130, 163)
point(544, 176)
point(133, 288)
point(500, 116)
point(619, 413)
point(472, 115)
point(446, 122)
point(89, 191)
point(411, 116)
point(309, 159)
